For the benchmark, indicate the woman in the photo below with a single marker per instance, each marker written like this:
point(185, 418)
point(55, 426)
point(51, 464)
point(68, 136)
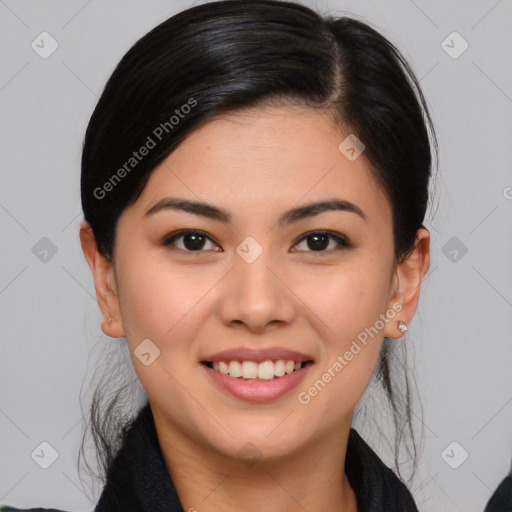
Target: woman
point(254, 185)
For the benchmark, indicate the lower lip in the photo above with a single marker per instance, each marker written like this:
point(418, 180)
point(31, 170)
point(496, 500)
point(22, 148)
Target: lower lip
point(258, 391)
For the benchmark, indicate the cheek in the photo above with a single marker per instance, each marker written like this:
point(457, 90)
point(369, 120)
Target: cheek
point(167, 306)
point(347, 299)
point(346, 305)
point(161, 303)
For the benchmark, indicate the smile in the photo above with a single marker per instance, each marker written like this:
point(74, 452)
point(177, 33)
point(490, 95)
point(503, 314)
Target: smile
point(255, 382)
point(250, 370)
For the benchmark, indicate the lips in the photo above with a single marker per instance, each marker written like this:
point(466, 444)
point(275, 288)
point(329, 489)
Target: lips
point(257, 375)
point(255, 390)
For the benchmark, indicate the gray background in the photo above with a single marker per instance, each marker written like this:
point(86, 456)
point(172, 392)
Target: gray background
point(460, 338)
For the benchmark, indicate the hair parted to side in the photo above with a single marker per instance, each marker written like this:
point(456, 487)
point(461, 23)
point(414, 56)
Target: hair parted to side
point(230, 54)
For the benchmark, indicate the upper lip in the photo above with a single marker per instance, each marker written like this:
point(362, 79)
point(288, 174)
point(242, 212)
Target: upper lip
point(257, 355)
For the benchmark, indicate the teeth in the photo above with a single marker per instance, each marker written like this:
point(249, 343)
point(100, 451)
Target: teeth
point(235, 369)
point(279, 370)
point(267, 370)
point(249, 370)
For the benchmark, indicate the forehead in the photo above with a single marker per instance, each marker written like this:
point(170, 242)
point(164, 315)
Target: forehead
point(249, 159)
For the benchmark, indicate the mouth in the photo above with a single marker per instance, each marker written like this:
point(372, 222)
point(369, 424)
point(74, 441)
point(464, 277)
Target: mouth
point(268, 370)
point(252, 381)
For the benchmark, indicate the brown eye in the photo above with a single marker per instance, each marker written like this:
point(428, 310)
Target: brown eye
point(318, 241)
point(192, 240)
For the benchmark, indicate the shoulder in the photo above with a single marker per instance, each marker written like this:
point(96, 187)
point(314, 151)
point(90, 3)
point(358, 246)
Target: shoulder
point(5, 508)
point(377, 487)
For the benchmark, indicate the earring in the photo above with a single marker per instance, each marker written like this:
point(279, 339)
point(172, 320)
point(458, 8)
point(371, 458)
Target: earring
point(110, 320)
point(401, 326)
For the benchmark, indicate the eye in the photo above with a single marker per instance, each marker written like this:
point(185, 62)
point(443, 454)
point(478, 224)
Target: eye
point(193, 240)
point(318, 241)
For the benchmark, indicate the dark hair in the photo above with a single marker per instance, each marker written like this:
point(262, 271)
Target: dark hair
point(227, 55)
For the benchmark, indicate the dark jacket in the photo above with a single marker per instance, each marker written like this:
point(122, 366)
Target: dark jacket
point(138, 480)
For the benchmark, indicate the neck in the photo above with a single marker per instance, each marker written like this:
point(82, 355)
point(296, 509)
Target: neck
point(312, 478)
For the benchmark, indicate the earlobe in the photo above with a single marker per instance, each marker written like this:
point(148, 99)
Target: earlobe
point(104, 282)
point(407, 279)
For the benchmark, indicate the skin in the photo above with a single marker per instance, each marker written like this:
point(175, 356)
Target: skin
point(256, 164)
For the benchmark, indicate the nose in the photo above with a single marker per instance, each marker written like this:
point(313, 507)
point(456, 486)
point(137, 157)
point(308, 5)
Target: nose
point(256, 296)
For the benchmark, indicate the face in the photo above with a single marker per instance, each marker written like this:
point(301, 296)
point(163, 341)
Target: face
point(257, 279)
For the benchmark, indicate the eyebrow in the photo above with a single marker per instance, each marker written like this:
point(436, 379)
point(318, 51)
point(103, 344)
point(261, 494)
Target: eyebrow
point(289, 217)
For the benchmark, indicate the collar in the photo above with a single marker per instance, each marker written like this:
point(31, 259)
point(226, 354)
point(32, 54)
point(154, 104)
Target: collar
point(138, 480)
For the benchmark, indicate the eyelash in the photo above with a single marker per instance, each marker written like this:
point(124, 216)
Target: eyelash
point(343, 242)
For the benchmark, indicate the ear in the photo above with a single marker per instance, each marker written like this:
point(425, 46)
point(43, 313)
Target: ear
point(104, 281)
point(408, 276)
